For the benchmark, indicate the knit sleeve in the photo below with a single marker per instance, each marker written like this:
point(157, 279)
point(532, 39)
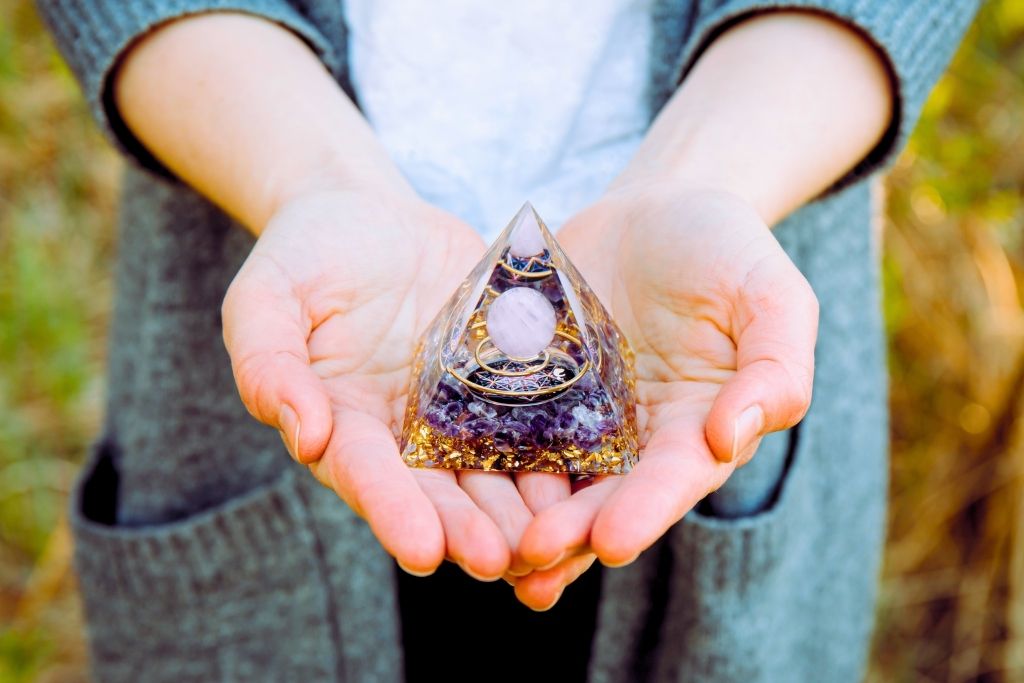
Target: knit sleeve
point(93, 35)
point(916, 38)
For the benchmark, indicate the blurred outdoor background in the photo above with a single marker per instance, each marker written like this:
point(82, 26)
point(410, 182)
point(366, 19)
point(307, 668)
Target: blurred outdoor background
point(952, 602)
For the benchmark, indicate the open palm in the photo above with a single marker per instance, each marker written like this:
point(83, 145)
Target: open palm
point(321, 324)
point(723, 325)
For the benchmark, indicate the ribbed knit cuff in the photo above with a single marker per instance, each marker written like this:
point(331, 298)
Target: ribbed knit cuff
point(917, 38)
point(93, 36)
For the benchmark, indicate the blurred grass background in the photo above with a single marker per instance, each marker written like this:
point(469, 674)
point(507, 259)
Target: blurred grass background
point(952, 602)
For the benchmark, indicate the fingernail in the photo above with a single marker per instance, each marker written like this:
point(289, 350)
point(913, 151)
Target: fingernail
point(485, 579)
point(616, 565)
point(549, 565)
point(558, 596)
point(414, 573)
point(747, 428)
point(288, 420)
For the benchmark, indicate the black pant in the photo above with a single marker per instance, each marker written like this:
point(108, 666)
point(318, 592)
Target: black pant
point(455, 628)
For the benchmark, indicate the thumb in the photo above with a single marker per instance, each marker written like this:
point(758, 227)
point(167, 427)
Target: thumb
point(771, 389)
point(265, 335)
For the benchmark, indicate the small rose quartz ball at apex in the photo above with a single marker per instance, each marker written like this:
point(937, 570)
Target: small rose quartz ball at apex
point(526, 239)
point(521, 322)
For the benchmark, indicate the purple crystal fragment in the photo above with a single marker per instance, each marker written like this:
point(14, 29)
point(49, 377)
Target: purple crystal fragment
point(446, 392)
point(452, 410)
point(539, 423)
point(544, 439)
point(481, 409)
point(434, 418)
point(551, 290)
point(587, 437)
point(509, 435)
point(479, 427)
point(565, 422)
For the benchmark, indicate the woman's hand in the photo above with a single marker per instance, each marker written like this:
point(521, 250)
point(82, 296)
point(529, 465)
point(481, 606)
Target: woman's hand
point(723, 326)
point(321, 324)
point(694, 278)
point(349, 267)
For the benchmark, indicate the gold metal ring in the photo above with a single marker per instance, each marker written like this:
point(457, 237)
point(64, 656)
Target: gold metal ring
point(524, 394)
point(531, 369)
point(582, 370)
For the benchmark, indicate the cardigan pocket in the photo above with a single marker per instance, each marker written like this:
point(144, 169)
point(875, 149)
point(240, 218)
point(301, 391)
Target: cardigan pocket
point(754, 488)
point(734, 597)
point(740, 548)
point(231, 593)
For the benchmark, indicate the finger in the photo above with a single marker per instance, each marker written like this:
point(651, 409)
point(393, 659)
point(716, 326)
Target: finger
point(674, 473)
point(565, 527)
point(363, 466)
point(496, 494)
point(744, 456)
point(541, 590)
point(266, 339)
point(541, 490)
point(771, 389)
point(473, 540)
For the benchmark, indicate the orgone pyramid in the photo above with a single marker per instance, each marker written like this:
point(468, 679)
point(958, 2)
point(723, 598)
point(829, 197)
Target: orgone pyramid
point(523, 369)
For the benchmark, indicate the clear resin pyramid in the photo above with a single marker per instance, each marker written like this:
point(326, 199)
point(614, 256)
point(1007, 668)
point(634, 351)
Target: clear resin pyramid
point(523, 370)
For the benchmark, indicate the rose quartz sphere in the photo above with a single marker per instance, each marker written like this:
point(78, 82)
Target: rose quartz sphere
point(521, 322)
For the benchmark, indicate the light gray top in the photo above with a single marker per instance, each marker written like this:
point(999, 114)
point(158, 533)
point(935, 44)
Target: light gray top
point(204, 554)
point(486, 105)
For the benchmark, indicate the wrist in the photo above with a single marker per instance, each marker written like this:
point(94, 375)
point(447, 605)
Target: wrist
point(639, 189)
point(642, 208)
point(777, 109)
point(331, 173)
point(703, 155)
point(242, 110)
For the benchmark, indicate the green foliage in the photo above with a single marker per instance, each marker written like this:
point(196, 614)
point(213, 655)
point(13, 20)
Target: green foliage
point(55, 243)
point(57, 187)
point(22, 655)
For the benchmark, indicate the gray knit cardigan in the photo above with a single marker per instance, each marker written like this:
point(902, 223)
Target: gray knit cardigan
point(204, 554)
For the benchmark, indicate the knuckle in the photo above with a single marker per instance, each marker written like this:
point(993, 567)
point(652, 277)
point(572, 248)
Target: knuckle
point(254, 375)
point(233, 296)
point(798, 389)
point(810, 299)
point(791, 385)
point(249, 380)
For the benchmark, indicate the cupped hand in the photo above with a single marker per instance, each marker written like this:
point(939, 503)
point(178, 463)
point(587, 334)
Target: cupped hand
point(723, 326)
point(321, 324)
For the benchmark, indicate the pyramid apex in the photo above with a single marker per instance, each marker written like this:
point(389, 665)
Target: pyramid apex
point(526, 239)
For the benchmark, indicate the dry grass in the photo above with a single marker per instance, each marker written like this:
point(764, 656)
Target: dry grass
point(952, 606)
